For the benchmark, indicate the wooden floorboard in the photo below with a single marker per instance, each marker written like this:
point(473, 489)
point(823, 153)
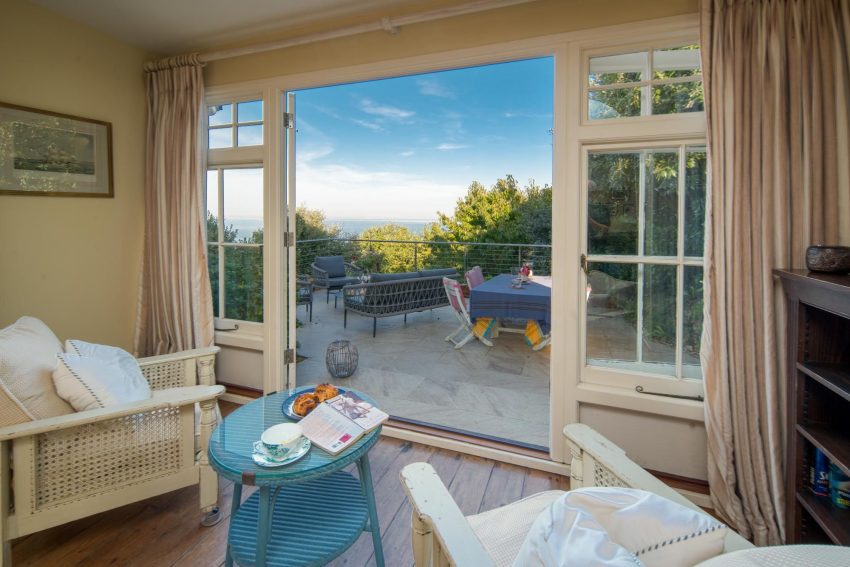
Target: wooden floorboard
point(164, 531)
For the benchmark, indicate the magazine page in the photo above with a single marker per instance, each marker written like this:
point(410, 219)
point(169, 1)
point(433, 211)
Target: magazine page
point(329, 429)
point(358, 410)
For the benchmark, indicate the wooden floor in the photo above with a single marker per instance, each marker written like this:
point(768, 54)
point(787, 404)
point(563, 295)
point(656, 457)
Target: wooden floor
point(165, 530)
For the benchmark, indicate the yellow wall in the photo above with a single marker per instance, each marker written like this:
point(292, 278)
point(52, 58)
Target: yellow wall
point(534, 19)
point(74, 262)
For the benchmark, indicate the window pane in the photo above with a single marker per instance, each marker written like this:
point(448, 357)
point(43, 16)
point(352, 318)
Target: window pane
point(221, 138)
point(212, 205)
point(617, 69)
point(612, 203)
point(695, 181)
point(614, 103)
point(661, 203)
point(677, 98)
point(249, 135)
point(243, 283)
point(612, 312)
point(243, 205)
point(221, 114)
point(692, 320)
point(251, 111)
point(676, 62)
point(212, 266)
point(659, 318)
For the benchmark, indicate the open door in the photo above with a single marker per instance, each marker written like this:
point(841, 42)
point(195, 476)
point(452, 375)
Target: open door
point(289, 241)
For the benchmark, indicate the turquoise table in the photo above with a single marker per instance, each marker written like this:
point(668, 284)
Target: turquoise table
point(304, 513)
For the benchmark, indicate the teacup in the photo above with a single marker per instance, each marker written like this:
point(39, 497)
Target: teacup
point(278, 440)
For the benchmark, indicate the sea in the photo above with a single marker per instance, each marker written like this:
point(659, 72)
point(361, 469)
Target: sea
point(349, 227)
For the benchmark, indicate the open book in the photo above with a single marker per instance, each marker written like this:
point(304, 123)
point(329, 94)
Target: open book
point(339, 422)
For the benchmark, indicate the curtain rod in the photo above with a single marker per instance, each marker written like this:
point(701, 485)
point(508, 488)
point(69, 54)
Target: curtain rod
point(388, 24)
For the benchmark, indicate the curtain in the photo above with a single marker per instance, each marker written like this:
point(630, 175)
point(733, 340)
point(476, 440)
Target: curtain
point(775, 74)
point(175, 301)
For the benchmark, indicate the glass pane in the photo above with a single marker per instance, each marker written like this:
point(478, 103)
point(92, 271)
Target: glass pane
point(249, 135)
point(220, 114)
point(251, 111)
point(221, 138)
point(243, 283)
point(676, 62)
point(659, 318)
point(613, 103)
point(243, 205)
point(212, 266)
point(696, 177)
point(661, 203)
point(612, 203)
point(692, 319)
point(612, 312)
point(617, 69)
point(212, 205)
point(677, 98)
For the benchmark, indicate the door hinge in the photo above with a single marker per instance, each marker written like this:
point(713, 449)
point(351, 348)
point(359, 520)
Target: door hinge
point(288, 239)
point(289, 356)
point(288, 120)
point(583, 264)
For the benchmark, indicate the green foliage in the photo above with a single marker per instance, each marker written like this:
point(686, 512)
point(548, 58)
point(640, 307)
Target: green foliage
point(243, 272)
point(390, 257)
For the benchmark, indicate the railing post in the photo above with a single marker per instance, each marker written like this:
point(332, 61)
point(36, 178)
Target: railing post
point(519, 253)
point(415, 256)
point(465, 257)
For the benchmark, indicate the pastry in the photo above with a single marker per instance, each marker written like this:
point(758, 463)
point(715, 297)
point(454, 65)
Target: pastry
point(326, 391)
point(305, 403)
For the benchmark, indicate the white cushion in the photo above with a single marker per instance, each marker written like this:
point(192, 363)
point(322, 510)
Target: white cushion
point(784, 556)
point(612, 526)
point(96, 376)
point(28, 350)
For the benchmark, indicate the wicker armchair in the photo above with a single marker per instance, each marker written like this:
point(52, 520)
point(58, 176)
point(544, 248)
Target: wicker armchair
point(333, 273)
point(60, 469)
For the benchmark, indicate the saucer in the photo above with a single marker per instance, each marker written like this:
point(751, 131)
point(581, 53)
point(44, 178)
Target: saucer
point(263, 459)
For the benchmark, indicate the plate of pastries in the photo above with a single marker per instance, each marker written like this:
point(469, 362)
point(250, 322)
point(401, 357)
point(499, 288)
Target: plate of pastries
point(300, 404)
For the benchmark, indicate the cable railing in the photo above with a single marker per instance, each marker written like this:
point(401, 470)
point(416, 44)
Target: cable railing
point(386, 256)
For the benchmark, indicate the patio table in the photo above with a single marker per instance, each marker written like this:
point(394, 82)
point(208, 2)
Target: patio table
point(497, 299)
point(304, 513)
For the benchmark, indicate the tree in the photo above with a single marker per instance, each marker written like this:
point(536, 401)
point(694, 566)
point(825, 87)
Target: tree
point(390, 256)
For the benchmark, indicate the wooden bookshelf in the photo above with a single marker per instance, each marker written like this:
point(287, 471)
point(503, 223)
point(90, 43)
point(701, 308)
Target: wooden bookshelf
point(818, 357)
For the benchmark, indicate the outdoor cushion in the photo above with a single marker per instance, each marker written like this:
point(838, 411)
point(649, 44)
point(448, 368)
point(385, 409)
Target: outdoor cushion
point(333, 265)
point(28, 350)
point(437, 272)
point(378, 278)
point(335, 283)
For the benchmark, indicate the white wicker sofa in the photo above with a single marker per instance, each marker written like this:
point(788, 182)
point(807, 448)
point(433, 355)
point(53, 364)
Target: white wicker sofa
point(443, 536)
point(58, 469)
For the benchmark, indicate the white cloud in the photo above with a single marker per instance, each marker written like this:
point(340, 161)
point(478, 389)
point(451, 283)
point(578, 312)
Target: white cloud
point(445, 147)
point(313, 152)
point(370, 125)
point(407, 153)
point(432, 87)
point(369, 107)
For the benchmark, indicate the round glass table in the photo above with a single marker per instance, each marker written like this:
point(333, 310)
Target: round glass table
point(304, 513)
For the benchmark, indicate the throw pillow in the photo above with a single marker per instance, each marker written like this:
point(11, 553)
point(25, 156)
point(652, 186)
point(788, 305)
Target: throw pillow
point(656, 531)
point(28, 350)
point(92, 376)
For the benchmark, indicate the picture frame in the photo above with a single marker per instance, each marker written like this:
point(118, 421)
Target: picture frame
point(53, 154)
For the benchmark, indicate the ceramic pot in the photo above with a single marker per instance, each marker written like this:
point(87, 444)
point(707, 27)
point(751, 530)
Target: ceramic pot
point(828, 259)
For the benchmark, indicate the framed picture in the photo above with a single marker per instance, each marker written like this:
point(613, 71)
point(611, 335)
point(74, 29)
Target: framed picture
point(47, 153)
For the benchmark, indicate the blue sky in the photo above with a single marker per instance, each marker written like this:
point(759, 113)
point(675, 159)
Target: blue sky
point(407, 147)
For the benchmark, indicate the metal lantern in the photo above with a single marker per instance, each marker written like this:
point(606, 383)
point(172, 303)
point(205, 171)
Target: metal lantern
point(341, 359)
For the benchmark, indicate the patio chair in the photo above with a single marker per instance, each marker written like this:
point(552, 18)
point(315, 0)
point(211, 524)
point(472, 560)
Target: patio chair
point(304, 293)
point(442, 535)
point(474, 277)
point(458, 302)
point(332, 273)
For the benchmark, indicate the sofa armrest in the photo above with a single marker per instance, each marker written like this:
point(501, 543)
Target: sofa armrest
point(319, 275)
point(436, 515)
point(176, 356)
point(174, 397)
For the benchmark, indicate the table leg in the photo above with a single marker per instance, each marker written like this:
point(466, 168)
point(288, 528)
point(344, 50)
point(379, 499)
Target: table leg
point(368, 491)
point(234, 506)
point(263, 525)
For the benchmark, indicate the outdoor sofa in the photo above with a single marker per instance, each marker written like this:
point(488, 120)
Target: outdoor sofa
point(386, 295)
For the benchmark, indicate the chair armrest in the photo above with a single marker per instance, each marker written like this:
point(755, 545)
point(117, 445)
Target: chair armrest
point(174, 357)
point(354, 268)
point(174, 397)
point(320, 275)
point(434, 506)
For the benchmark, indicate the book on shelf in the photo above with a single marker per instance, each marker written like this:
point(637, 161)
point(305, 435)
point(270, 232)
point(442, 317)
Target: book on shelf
point(339, 422)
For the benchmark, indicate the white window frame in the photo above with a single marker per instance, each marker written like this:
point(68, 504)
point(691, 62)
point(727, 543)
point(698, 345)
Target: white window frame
point(625, 374)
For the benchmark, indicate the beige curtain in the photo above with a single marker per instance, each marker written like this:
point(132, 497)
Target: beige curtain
point(775, 75)
point(175, 301)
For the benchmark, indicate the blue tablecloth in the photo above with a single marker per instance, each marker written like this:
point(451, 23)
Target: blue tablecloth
point(496, 298)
